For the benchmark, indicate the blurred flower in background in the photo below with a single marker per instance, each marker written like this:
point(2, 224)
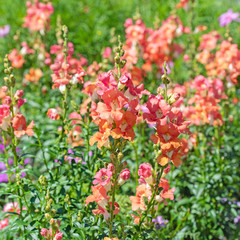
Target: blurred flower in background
point(228, 17)
point(159, 222)
point(4, 30)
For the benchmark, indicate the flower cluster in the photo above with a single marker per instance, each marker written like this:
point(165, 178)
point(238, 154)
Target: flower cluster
point(154, 46)
point(53, 232)
point(38, 15)
point(153, 189)
point(115, 110)
point(10, 116)
point(9, 207)
point(67, 70)
point(103, 186)
point(204, 107)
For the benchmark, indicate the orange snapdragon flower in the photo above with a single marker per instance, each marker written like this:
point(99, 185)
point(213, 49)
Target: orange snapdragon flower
point(34, 75)
point(101, 137)
point(143, 190)
point(124, 127)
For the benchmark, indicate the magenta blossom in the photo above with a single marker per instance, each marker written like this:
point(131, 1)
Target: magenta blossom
point(228, 17)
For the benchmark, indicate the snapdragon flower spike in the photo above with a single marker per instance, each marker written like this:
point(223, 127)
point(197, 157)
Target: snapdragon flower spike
point(17, 121)
point(115, 109)
point(220, 60)
point(38, 15)
point(170, 124)
point(69, 72)
point(153, 45)
point(146, 189)
point(47, 234)
point(203, 106)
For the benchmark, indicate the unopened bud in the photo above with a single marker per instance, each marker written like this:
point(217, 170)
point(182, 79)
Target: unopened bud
point(52, 221)
point(165, 79)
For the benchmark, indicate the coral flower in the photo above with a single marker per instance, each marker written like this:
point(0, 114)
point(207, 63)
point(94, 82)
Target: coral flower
point(16, 59)
point(52, 113)
point(4, 111)
point(20, 126)
point(138, 202)
point(101, 137)
point(99, 196)
point(12, 207)
point(124, 127)
point(111, 107)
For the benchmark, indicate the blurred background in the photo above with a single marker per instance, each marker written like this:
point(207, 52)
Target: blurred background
point(90, 21)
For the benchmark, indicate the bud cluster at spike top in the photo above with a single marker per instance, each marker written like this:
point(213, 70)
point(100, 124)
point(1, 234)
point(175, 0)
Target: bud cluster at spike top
point(135, 137)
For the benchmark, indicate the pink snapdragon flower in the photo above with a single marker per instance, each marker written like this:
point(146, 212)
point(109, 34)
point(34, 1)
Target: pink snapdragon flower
point(107, 52)
point(38, 15)
point(4, 223)
point(145, 170)
point(102, 177)
point(124, 176)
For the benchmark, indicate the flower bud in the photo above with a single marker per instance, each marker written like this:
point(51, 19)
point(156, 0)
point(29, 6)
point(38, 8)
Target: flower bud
point(47, 216)
point(174, 98)
point(117, 59)
point(58, 236)
point(44, 232)
point(120, 156)
point(52, 221)
point(111, 167)
point(125, 174)
point(165, 79)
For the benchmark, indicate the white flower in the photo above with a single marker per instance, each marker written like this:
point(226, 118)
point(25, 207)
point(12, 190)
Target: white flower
point(62, 88)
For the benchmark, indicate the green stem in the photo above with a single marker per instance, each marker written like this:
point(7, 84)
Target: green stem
point(6, 157)
point(137, 161)
point(112, 208)
point(43, 153)
point(165, 93)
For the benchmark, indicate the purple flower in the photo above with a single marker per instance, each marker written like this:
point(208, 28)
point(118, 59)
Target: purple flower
point(237, 219)
point(223, 200)
point(159, 222)
point(4, 30)
point(228, 17)
point(3, 177)
point(90, 153)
